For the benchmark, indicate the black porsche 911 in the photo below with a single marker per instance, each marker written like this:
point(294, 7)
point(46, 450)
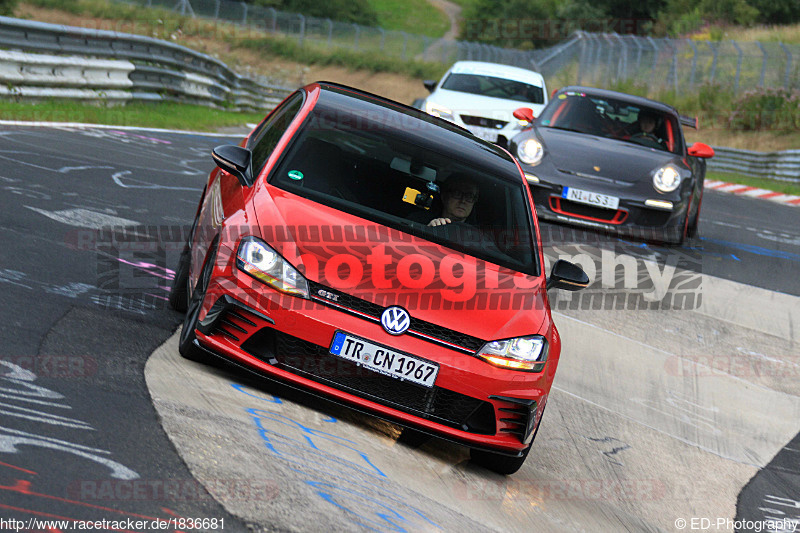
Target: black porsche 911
point(614, 162)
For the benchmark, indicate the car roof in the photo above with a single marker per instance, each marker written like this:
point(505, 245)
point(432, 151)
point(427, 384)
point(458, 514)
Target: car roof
point(606, 93)
point(497, 70)
point(411, 123)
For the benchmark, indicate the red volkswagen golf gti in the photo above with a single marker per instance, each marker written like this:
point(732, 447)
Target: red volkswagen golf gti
point(383, 258)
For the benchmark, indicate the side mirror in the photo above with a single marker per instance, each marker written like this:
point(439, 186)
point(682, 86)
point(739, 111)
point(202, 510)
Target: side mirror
point(524, 113)
point(234, 160)
point(567, 276)
point(430, 84)
point(701, 150)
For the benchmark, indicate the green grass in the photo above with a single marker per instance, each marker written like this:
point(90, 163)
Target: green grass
point(153, 115)
point(411, 16)
point(312, 53)
point(784, 187)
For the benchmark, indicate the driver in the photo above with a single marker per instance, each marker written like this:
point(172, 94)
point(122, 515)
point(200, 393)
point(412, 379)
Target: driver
point(647, 121)
point(459, 196)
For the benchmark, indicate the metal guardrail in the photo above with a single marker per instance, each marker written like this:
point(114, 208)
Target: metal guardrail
point(160, 70)
point(784, 166)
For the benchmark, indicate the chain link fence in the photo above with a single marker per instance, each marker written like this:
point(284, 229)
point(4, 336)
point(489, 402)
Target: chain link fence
point(682, 65)
point(595, 59)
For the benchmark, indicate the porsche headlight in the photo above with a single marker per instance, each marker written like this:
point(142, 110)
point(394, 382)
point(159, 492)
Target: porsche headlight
point(667, 179)
point(258, 259)
point(520, 353)
point(438, 111)
point(530, 151)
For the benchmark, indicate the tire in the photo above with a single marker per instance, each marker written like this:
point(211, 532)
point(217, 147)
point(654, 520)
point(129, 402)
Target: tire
point(178, 292)
point(501, 464)
point(691, 231)
point(186, 344)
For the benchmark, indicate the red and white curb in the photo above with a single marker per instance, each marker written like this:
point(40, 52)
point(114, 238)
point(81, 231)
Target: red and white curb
point(754, 192)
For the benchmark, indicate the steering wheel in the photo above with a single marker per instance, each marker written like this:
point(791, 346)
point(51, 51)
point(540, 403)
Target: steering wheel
point(647, 139)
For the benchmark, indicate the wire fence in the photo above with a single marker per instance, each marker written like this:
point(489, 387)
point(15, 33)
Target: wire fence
point(596, 59)
point(682, 65)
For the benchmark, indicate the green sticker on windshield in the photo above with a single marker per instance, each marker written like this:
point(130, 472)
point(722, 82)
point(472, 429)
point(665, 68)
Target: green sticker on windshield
point(295, 174)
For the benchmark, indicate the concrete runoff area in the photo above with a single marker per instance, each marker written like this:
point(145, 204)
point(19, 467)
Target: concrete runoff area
point(654, 417)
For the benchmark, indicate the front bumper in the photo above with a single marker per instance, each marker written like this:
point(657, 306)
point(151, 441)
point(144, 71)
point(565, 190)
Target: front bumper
point(288, 339)
point(632, 218)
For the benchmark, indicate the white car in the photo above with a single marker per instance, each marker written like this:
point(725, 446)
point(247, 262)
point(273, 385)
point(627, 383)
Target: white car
point(481, 97)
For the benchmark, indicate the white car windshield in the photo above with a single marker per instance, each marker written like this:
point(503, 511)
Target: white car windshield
point(495, 87)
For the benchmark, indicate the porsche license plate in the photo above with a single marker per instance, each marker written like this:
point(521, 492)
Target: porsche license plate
point(383, 360)
point(590, 198)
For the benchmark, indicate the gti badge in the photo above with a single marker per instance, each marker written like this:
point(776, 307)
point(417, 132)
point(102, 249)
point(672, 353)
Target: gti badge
point(395, 320)
point(329, 295)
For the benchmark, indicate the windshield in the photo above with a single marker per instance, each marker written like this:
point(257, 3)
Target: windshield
point(494, 87)
point(614, 119)
point(359, 165)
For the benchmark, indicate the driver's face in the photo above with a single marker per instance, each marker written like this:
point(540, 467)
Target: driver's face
point(647, 124)
point(459, 202)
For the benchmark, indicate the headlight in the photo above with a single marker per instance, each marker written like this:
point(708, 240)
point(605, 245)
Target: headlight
point(667, 179)
point(521, 353)
point(438, 111)
point(258, 259)
point(530, 151)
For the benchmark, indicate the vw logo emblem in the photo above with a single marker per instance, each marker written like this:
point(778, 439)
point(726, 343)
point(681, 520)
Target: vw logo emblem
point(395, 320)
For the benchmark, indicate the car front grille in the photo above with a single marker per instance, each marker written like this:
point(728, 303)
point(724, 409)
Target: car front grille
point(422, 329)
point(314, 362)
point(577, 209)
point(471, 120)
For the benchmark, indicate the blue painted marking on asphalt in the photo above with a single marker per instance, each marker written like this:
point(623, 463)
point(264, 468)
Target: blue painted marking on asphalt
point(757, 250)
point(308, 433)
point(375, 500)
point(240, 388)
point(735, 257)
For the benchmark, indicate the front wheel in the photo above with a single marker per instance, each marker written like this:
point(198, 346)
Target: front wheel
point(502, 464)
point(186, 344)
point(691, 231)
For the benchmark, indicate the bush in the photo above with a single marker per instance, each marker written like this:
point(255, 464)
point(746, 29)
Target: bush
point(766, 109)
point(7, 7)
point(357, 11)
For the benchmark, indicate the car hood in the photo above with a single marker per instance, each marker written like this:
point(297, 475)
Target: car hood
point(590, 155)
point(386, 266)
point(484, 106)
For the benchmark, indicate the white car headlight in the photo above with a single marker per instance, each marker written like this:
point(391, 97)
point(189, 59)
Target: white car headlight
point(667, 179)
point(258, 259)
point(437, 110)
point(530, 151)
point(520, 353)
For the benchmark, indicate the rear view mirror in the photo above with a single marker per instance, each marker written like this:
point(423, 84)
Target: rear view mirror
point(430, 84)
point(524, 113)
point(234, 160)
point(701, 150)
point(567, 276)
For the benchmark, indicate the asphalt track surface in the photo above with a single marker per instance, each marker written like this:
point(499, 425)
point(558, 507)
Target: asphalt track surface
point(80, 437)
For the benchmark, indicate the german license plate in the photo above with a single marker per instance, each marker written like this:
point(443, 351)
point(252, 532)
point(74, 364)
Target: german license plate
point(590, 198)
point(487, 134)
point(383, 360)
